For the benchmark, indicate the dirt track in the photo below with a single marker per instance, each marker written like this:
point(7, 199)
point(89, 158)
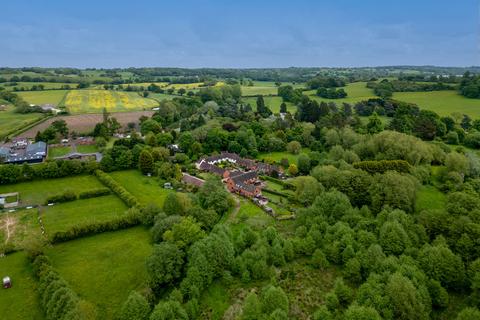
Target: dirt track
point(86, 122)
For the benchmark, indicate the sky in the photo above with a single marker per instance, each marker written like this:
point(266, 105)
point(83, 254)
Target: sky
point(239, 34)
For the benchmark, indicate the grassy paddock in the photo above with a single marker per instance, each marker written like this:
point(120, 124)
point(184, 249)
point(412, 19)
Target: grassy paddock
point(43, 97)
point(20, 302)
point(105, 268)
point(18, 227)
point(36, 192)
point(145, 189)
point(10, 121)
point(63, 216)
point(357, 91)
point(272, 102)
point(442, 102)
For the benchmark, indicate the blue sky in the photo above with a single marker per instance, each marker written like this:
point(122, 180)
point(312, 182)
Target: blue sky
point(333, 33)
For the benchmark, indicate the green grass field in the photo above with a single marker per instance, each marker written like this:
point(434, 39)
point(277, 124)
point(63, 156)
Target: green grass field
point(278, 156)
point(145, 189)
point(63, 216)
point(442, 102)
point(93, 101)
point(47, 85)
point(357, 91)
point(54, 152)
point(272, 102)
point(43, 97)
point(105, 268)
point(161, 96)
point(11, 121)
point(91, 148)
point(36, 192)
point(22, 226)
point(20, 302)
point(429, 197)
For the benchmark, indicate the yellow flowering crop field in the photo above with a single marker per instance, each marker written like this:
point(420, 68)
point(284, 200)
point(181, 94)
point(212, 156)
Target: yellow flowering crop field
point(93, 101)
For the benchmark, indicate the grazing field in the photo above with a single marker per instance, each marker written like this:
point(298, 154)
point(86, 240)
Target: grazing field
point(46, 85)
point(272, 102)
point(54, 97)
point(105, 268)
point(83, 123)
point(18, 227)
point(63, 216)
point(54, 152)
point(442, 102)
point(145, 189)
point(266, 88)
point(36, 192)
point(11, 121)
point(91, 101)
point(161, 96)
point(357, 91)
point(21, 301)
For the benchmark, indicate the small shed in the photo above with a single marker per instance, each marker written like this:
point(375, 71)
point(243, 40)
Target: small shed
point(7, 283)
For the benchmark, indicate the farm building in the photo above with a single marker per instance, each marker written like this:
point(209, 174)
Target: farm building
point(33, 153)
point(188, 179)
point(237, 181)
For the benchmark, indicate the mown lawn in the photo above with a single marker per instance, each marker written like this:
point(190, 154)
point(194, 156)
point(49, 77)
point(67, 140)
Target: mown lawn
point(62, 216)
point(145, 189)
point(278, 156)
point(54, 152)
point(54, 97)
point(20, 302)
point(36, 192)
point(442, 102)
point(105, 268)
point(429, 197)
point(87, 148)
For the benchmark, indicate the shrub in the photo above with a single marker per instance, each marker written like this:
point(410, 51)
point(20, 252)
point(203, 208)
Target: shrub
point(118, 189)
point(94, 193)
point(130, 219)
point(63, 197)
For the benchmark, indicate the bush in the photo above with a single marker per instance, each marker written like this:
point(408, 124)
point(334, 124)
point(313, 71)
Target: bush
point(118, 189)
point(130, 219)
point(94, 193)
point(58, 300)
point(67, 196)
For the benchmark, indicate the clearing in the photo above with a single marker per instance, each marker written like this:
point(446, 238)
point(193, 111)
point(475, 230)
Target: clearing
point(105, 268)
point(11, 121)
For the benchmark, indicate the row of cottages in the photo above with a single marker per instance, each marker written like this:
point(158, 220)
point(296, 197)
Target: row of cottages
point(243, 183)
point(262, 168)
